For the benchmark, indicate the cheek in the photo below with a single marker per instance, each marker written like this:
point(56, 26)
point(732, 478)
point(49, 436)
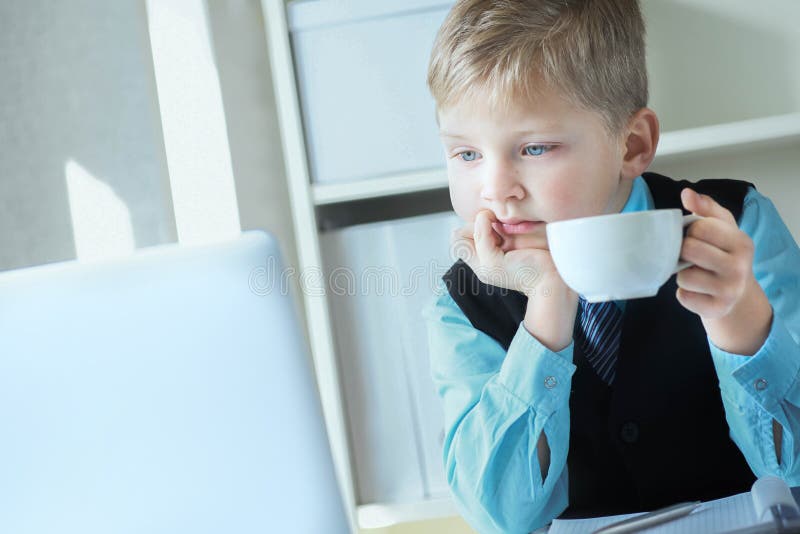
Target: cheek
point(465, 199)
point(560, 199)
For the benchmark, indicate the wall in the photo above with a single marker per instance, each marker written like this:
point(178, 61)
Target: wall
point(78, 110)
point(237, 29)
point(733, 60)
point(772, 169)
point(78, 98)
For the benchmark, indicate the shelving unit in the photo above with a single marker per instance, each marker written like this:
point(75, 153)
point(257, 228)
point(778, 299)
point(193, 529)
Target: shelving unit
point(708, 139)
point(379, 187)
point(718, 137)
point(308, 250)
point(307, 197)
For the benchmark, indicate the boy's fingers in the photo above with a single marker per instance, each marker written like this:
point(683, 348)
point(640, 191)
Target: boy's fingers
point(489, 253)
point(705, 206)
point(698, 280)
point(716, 233)
point(704, 254)
point(698, 303)
point(462, 247)
point(462, 244)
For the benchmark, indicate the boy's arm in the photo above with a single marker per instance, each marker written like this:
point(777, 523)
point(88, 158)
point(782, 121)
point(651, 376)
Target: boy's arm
point(760, 388)
point(498, 406)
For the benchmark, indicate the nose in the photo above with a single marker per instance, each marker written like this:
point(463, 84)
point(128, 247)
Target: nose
point(501, 183)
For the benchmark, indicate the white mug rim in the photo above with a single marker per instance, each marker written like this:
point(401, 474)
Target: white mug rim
point(627, 214)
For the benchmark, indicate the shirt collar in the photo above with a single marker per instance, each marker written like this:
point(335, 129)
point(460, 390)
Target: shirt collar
point(640, 198)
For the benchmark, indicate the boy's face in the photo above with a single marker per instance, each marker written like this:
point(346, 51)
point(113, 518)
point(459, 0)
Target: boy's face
point(539, 161)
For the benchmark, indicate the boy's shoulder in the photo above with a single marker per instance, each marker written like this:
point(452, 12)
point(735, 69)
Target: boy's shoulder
point(730, 193)
point(494, 310)
point(441, 307)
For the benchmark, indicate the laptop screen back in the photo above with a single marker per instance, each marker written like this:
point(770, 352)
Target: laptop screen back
point(167, 392)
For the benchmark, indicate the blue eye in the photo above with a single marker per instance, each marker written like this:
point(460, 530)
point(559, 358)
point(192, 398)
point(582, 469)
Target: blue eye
point(468, 155)
point(536, 150)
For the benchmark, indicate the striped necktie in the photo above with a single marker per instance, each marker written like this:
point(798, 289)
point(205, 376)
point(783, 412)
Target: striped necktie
point(599, 335)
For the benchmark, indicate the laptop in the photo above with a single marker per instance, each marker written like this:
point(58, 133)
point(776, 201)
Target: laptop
point(170, 391)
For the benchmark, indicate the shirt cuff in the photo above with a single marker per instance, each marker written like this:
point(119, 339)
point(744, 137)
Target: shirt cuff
point(538, 376)
point(767, 376)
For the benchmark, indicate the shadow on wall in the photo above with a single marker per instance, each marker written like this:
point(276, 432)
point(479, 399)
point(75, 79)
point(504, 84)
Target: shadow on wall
point(81, 148)
point(707, 67)
point(240, 52)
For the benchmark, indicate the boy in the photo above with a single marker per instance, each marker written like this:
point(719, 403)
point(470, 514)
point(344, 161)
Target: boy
point(554, 407)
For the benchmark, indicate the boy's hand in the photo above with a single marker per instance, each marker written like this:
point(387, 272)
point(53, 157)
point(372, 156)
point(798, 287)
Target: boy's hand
point(489, 255)
point(720, 287)
point(522, 263)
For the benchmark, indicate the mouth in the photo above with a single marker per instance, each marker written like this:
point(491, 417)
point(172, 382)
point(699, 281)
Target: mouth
point(517, 226)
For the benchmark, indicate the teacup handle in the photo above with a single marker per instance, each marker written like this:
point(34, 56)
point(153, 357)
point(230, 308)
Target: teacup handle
point(687, 220)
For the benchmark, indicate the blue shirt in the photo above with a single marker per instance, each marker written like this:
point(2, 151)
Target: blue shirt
point(496, 405)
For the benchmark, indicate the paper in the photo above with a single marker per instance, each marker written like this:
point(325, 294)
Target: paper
point(721, 515)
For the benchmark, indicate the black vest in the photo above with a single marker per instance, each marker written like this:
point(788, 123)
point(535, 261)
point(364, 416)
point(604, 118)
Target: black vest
point(658, 435)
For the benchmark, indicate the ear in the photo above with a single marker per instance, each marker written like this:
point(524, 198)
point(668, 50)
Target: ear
point(641, 140)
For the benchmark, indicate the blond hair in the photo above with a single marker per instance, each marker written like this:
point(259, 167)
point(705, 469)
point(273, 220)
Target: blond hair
point(590, 51)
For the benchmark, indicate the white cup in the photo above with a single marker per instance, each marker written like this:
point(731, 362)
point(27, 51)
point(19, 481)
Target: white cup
point(619, 256)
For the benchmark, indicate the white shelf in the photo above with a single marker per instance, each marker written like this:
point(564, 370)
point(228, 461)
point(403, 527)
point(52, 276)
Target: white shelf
point(719, 136)
point(385, 515)
point(705, 139)
point(380, 187)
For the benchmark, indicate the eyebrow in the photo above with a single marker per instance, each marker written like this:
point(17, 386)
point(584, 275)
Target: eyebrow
point(549, 130)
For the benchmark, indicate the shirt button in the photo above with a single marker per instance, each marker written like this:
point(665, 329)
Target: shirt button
point(550, 382)
point(760, 384)
point(629, 433)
